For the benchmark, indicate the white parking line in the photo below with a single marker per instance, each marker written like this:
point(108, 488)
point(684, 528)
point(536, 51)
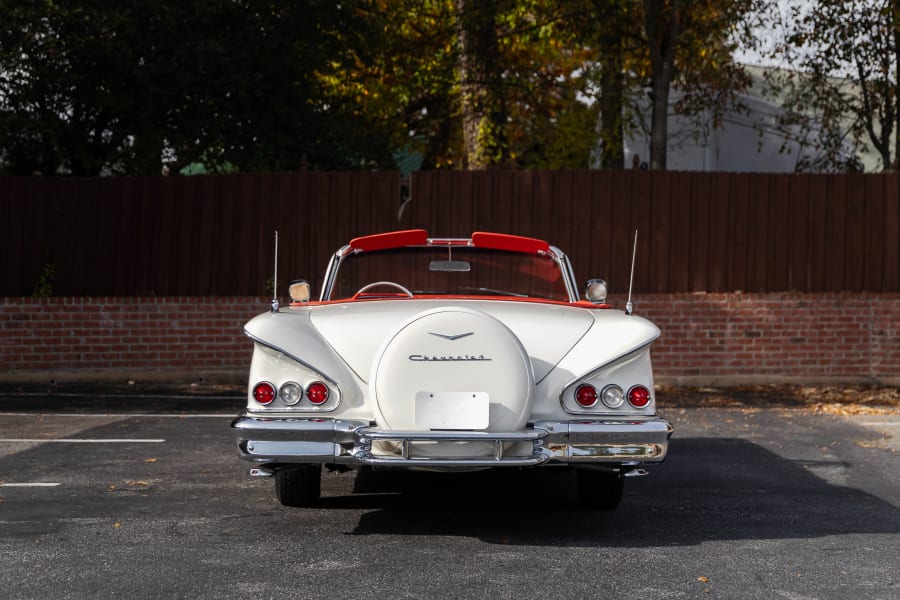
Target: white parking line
point(81, 441)
point(29, 484)
point(122, 415)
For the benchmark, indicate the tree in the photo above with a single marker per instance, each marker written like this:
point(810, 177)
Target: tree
point(692, 43)
point(515, 87)
point(663, 24)
point(481, 103)
point(98, 88)
point(614, 28)
point(846, 56)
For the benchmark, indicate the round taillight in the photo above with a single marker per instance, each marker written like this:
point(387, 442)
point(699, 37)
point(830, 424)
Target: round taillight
point(612, 396)
point(586, 395)
point(317, 392)
point(639, 396)
point(264, 392)
point(291, 393)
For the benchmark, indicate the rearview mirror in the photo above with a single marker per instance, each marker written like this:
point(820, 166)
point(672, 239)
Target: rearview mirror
point(450, 266)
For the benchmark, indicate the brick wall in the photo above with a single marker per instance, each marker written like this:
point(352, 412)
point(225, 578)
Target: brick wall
point(706, 337)
point(776, 336)
point(189, 338)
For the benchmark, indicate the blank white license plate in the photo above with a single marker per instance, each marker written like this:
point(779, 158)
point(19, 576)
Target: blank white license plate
point(452, 410)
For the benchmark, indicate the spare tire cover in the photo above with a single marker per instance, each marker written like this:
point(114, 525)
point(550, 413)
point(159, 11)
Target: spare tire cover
point(446, 352)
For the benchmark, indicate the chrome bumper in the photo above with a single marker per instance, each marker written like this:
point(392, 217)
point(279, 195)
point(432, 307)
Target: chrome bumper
point(334, 441)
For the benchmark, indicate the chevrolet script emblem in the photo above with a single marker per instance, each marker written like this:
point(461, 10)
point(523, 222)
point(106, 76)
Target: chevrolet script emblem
point(452, 338)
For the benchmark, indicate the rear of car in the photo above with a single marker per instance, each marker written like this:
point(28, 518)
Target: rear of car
point(450, 354)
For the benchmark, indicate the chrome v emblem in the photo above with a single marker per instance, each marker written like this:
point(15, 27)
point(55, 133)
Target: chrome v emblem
point(452, 338)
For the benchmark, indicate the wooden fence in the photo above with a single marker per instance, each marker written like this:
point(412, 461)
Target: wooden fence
point(212, 235)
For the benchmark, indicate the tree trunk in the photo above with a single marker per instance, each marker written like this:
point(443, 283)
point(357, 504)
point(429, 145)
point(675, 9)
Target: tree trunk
point(482, 112)
point(662, 20)
point(612, 155)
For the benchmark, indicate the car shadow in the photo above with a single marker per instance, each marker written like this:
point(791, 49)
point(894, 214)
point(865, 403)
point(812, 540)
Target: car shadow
point(709, 489)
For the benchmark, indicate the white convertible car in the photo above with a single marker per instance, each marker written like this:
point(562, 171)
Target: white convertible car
point(450, 354)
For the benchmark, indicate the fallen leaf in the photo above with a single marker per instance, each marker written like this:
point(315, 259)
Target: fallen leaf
point(867, 444)
point(150, 460)
point(117, 525)
point(703, 578)
point(138, 483)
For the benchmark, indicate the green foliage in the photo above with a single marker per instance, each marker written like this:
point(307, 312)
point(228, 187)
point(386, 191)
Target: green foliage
point(111, 87)
point(44, 286)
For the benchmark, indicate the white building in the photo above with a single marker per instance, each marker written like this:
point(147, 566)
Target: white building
point(749, 139)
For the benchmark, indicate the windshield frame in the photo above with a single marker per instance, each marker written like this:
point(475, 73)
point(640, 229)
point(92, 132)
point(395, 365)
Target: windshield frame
point(552, 252)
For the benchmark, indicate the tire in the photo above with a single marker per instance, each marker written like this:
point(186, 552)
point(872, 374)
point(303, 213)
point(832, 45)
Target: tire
point(599, 489)
point(299, 486)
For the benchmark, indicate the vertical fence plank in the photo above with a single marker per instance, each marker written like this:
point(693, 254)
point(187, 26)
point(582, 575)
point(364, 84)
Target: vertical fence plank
point(874, 242)
point(758, 233)
point(579, 239)
point(835, 248)
point(679, 258)
point(50, 254)
point(892, 233)
point(92, 222)
point(12, 229)
point(779, 259)
point(819, 217)
point(799, 276)
point(700, 231)
point(660, 246)
point(720, 241)
point(855, 227)
point(738, 226)
point(644, 213)
point(543, 209)
point(561, 221)
point(605, 196)
point(502, 199)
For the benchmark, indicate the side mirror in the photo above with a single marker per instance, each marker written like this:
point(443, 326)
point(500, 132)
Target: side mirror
point(595, 291)
point(299, 290)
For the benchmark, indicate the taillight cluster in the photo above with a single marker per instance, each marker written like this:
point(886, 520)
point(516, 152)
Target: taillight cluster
point(291, 393)
point(611, 396)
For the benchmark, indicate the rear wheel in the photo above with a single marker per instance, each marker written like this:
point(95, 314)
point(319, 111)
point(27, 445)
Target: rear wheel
point(298, 486)
point(599, 489)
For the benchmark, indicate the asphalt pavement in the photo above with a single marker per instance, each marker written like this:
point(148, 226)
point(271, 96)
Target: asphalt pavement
point(140, 493)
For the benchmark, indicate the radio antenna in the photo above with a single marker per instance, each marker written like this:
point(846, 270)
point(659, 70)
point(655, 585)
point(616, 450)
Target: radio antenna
point(275, 278)
point(629, 307)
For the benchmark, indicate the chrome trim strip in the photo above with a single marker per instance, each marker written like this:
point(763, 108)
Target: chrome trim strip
point(529, 435)
point(331, 272)
point(294, 358)
point(531, 461)
point(565, 265)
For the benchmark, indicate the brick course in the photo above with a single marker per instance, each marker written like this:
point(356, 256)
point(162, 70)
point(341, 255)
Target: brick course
point(706, 337)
